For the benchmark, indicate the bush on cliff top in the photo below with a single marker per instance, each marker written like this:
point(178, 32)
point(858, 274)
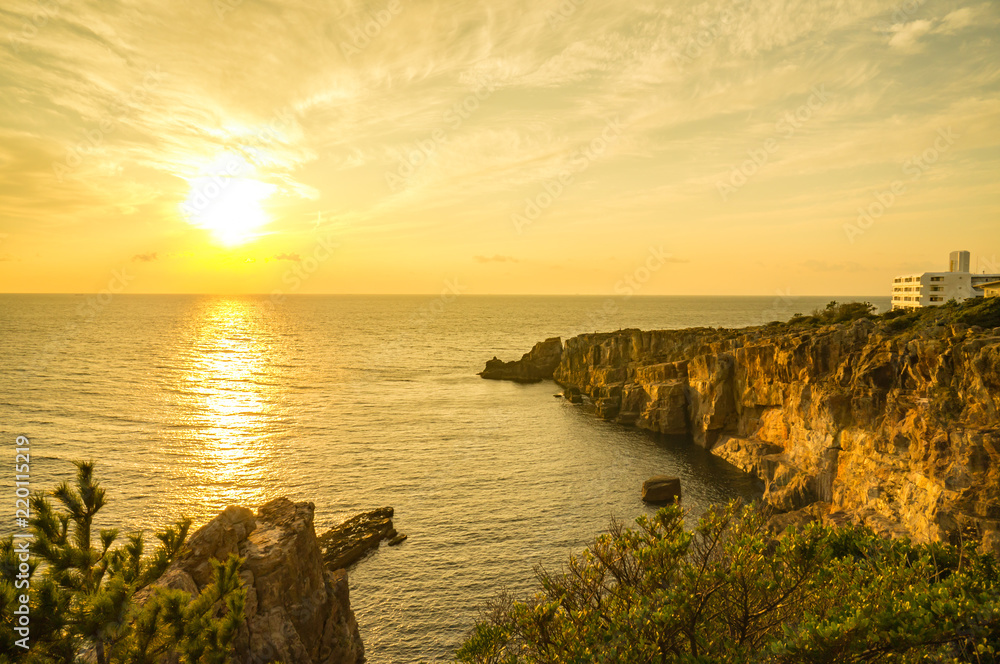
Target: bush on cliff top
point(82, 596)
point(836, 312)
point(730, 592)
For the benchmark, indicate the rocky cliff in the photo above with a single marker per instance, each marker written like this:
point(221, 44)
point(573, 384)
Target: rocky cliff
point(891, 421)
point(297, 609)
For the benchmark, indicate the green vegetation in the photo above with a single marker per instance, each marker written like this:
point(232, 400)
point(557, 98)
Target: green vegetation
point(836, 312)
point(982, 312)
point(731, 592)
point(84, 592)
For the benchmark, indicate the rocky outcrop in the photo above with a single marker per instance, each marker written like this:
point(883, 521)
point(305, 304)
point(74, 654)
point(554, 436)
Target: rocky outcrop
point(898, 429)
point(661, 490)
point(297, 610)
point(534, 366)
point(347, 543)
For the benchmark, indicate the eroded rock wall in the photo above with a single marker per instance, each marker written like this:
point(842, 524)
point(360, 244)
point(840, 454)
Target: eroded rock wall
point(896, 431)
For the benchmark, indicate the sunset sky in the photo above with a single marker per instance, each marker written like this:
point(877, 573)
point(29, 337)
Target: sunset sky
point(517, 147)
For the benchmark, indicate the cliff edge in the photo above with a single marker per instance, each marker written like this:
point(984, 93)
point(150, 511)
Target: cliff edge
point(297, 609)
point(892, 420)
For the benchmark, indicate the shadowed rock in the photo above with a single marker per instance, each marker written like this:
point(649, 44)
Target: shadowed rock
point(297, 610)
point(347, 543)
point(661, 490)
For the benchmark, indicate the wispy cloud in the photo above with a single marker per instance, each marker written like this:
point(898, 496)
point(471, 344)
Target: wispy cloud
point(907, 36)
point(133, 104)
point(145, 258)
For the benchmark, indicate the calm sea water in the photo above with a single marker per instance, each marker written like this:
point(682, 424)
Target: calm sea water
point(192, 403)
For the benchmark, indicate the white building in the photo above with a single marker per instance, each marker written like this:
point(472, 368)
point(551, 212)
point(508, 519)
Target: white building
point(932, 288)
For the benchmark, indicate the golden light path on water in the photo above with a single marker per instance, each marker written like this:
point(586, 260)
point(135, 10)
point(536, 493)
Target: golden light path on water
point(233, 393)
point(190, 404)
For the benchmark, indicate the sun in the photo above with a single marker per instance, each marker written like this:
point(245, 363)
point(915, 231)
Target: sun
point(226, 199)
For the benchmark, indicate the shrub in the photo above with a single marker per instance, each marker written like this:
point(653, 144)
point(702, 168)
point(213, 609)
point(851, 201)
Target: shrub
point(83, 592)
point(730, 592)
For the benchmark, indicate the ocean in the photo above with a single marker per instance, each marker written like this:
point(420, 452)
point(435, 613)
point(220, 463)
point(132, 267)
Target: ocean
point(191, 403)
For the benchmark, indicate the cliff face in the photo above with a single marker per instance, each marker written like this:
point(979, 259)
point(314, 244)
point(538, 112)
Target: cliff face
point(899, 431)
point(297, 609)
point(534, 366)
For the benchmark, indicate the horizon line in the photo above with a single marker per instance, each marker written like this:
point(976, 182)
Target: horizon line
point(284, 295)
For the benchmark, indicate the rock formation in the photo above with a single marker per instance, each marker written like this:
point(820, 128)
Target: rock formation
point(870, 420)
point(350, 541)
point(661, 490)
point(534, 366)
point(297, 609)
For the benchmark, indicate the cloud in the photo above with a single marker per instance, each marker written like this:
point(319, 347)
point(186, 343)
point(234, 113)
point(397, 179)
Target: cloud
point(906, 36)
point(288, 257)
point(145, 258)
point(496, 258)
point(958, 19)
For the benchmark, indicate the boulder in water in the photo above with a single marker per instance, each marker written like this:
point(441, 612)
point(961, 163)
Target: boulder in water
point(661, 490)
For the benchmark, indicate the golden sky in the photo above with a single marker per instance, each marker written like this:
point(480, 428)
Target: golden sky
point(804, 147)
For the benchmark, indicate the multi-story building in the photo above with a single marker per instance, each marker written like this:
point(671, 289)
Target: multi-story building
point(932, 288)
point(991, 289)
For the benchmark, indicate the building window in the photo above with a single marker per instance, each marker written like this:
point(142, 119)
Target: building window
point(937, 278)
point(934, 298)
point(937, 288)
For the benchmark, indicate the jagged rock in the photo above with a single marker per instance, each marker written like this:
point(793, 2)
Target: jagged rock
point(534, 366)
point(661, 490)
point(895, 429)
point(778, 523)
point(751, 456)
point(347, 543)
point(398, 539)
point(297, 610)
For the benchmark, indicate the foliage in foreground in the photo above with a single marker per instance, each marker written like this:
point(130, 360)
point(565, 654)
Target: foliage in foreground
point(730, 592)
point(83, 593)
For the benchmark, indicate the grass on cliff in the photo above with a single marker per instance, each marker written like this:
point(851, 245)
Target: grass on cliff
point(731, 592)
point(981, 312)
point(81, 592)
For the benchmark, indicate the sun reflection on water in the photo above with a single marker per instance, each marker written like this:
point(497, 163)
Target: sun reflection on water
point(228, 393)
